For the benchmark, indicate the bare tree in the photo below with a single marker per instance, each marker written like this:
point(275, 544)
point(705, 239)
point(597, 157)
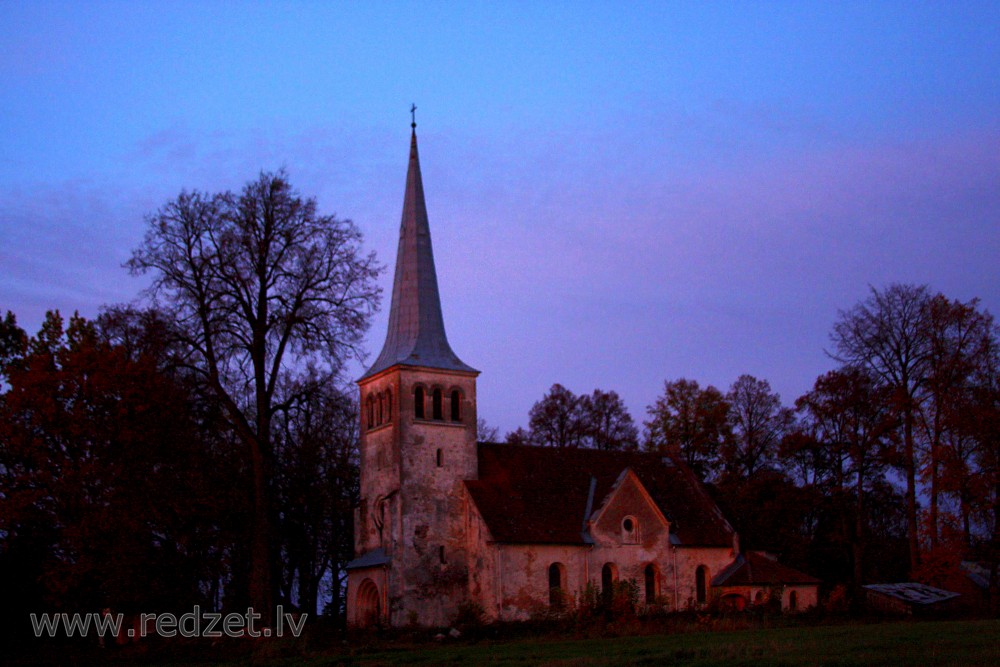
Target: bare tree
point(557, 420)
point(260, 288)
point(959, 336)
point(485, 432)
point(887, 334)
point(758, 422)
point(607, 423)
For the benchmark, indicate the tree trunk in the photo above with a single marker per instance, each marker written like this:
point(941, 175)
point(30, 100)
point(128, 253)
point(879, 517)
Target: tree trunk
point(859, 536)
point(912, 531)
point(261, 584)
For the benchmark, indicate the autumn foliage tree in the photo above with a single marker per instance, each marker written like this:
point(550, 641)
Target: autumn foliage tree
point(691, 423)
point(848, 416)
point(106, 476)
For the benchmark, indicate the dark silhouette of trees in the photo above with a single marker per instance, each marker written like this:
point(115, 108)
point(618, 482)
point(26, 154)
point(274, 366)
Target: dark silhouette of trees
point(260, 290)
point(316, 446)
point(113, 492)
point(485, 432)
point(607, 423)
point(758, 422)
point(519, 436)
point(563, 419)
point(848, 417)
point(886, 334)
point(691, 423)
point(557, 420)
point(959, 341)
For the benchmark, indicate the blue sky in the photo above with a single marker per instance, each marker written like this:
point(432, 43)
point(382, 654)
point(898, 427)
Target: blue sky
point(618, 194)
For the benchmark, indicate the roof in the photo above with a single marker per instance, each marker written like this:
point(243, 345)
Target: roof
point(913, 593)
point(372, 558)
point(415, 336)
point(755, 569)
point(544, 495)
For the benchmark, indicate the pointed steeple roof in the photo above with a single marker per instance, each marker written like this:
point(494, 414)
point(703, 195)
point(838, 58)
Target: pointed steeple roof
point(416, 334)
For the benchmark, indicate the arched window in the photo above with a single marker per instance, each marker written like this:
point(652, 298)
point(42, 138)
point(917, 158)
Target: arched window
point(609, 574)
point(651, 577)
point(557, 585)
point(701, 584)
point(370, 405)
point(793, 601)
point(381, 409)
point(441, 555)
point(630, 530)
point(438, 404)
point(440, 458)
point(369, 611)
point(418, 402)
point(388, 405)
point(456, 405)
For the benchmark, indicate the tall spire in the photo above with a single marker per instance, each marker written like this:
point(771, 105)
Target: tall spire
point(416, 334)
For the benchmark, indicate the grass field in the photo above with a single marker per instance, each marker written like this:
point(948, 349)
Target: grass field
point(930, 643)
point(903, 643)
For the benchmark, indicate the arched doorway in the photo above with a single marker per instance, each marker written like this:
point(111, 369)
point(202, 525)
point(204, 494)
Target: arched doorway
point(369, 607)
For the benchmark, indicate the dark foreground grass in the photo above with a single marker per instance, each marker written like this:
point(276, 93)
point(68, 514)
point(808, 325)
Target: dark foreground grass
point(930, 643)
point(903, 643)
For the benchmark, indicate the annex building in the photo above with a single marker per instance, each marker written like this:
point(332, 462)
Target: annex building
point(445, 520)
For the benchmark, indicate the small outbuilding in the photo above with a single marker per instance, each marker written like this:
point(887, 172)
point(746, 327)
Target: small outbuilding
point(756, 577)
point(909, 598)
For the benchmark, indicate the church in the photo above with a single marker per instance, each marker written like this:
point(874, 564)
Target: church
point(445, 521)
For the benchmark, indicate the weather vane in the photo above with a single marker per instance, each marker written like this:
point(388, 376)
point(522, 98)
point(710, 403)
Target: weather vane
point(413, 116)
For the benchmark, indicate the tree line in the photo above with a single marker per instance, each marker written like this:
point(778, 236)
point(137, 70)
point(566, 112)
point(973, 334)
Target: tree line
point(887, 469)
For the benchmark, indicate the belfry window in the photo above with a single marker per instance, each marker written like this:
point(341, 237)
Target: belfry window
point(438, 404)
point(388, 405)
point(370, 405)
point(381, 409)
point(418, 402)
point(456, 406)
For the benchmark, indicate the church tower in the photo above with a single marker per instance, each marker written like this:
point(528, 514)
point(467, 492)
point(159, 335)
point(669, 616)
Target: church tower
point(418, 444)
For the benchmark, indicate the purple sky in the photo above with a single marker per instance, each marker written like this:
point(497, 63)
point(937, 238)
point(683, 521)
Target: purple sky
point(616, 197)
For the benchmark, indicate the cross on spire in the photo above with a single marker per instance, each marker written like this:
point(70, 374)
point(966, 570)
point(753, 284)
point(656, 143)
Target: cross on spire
point(413, 116)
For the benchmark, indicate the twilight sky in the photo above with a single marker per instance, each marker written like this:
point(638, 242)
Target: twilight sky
point(617, 195)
